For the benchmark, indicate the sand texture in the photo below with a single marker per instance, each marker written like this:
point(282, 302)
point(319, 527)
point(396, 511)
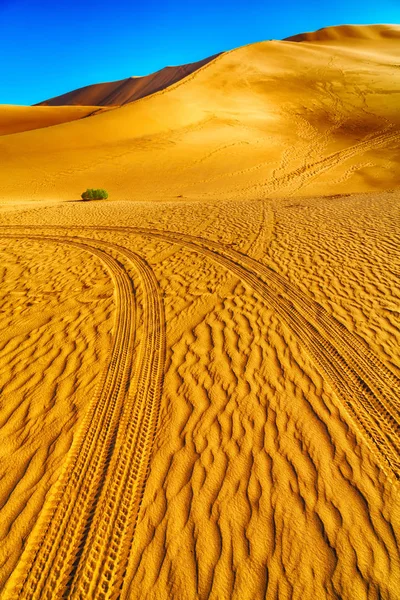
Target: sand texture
point(201, 394)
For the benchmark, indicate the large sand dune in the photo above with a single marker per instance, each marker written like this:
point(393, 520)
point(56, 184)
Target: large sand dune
point(269, 119)
point(200, 395)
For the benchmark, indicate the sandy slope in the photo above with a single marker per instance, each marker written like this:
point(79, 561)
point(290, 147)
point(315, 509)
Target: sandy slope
point(116, 93)
point(273, 118)
point(348, 34)
point(14, 119)
point(200, 398)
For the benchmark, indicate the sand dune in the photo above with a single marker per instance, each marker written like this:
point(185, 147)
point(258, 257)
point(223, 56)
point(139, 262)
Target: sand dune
point(345, 34)
point(200, 394)
point(117, 93)
point(269, 119)
point(14, 119)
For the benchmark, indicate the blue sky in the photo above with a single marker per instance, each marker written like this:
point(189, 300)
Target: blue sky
point(51, 47)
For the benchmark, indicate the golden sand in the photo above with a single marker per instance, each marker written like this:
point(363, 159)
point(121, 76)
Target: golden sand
point(16, 119)
point(269, 119)
point(200, 395)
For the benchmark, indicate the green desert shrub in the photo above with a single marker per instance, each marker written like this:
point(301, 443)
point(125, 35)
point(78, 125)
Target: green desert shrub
point(92, 194)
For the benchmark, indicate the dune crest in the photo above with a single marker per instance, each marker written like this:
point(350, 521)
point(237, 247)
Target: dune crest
point(346, 33)
point(117, 93)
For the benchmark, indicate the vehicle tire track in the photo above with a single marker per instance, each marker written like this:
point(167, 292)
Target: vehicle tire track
point(118, 431)
point(368, 390)
point(312, 170)
point(100, 573)
point(300, 177)
point(61, 528)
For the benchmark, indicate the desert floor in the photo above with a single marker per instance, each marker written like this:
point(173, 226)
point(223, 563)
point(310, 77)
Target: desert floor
point(200, 377)
point(204, 398)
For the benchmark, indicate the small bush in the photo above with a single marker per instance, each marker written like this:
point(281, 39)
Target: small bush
point(92, 194)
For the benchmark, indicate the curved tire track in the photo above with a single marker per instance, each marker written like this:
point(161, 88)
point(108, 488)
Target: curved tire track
point(368, 390)
point(106, 554)
point(300, 177)
point(118, 432)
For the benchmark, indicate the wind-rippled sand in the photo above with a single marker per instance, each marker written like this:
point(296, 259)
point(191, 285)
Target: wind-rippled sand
point(260, 474)
point(200, 397)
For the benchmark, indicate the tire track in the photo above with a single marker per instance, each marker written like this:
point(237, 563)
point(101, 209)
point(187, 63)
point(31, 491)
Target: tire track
point(368, 390)
point(61, 528)
point(312, 170)
point(104, 561)
point(298, 178)
point(118, 431)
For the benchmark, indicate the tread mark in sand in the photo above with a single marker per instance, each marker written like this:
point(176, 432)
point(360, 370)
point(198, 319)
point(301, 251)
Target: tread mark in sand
point(92, 513)
point(368, 390)
point(366, 387)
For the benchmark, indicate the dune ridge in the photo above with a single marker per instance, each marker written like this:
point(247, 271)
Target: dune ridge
point(347, 33)
point(117, 93)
